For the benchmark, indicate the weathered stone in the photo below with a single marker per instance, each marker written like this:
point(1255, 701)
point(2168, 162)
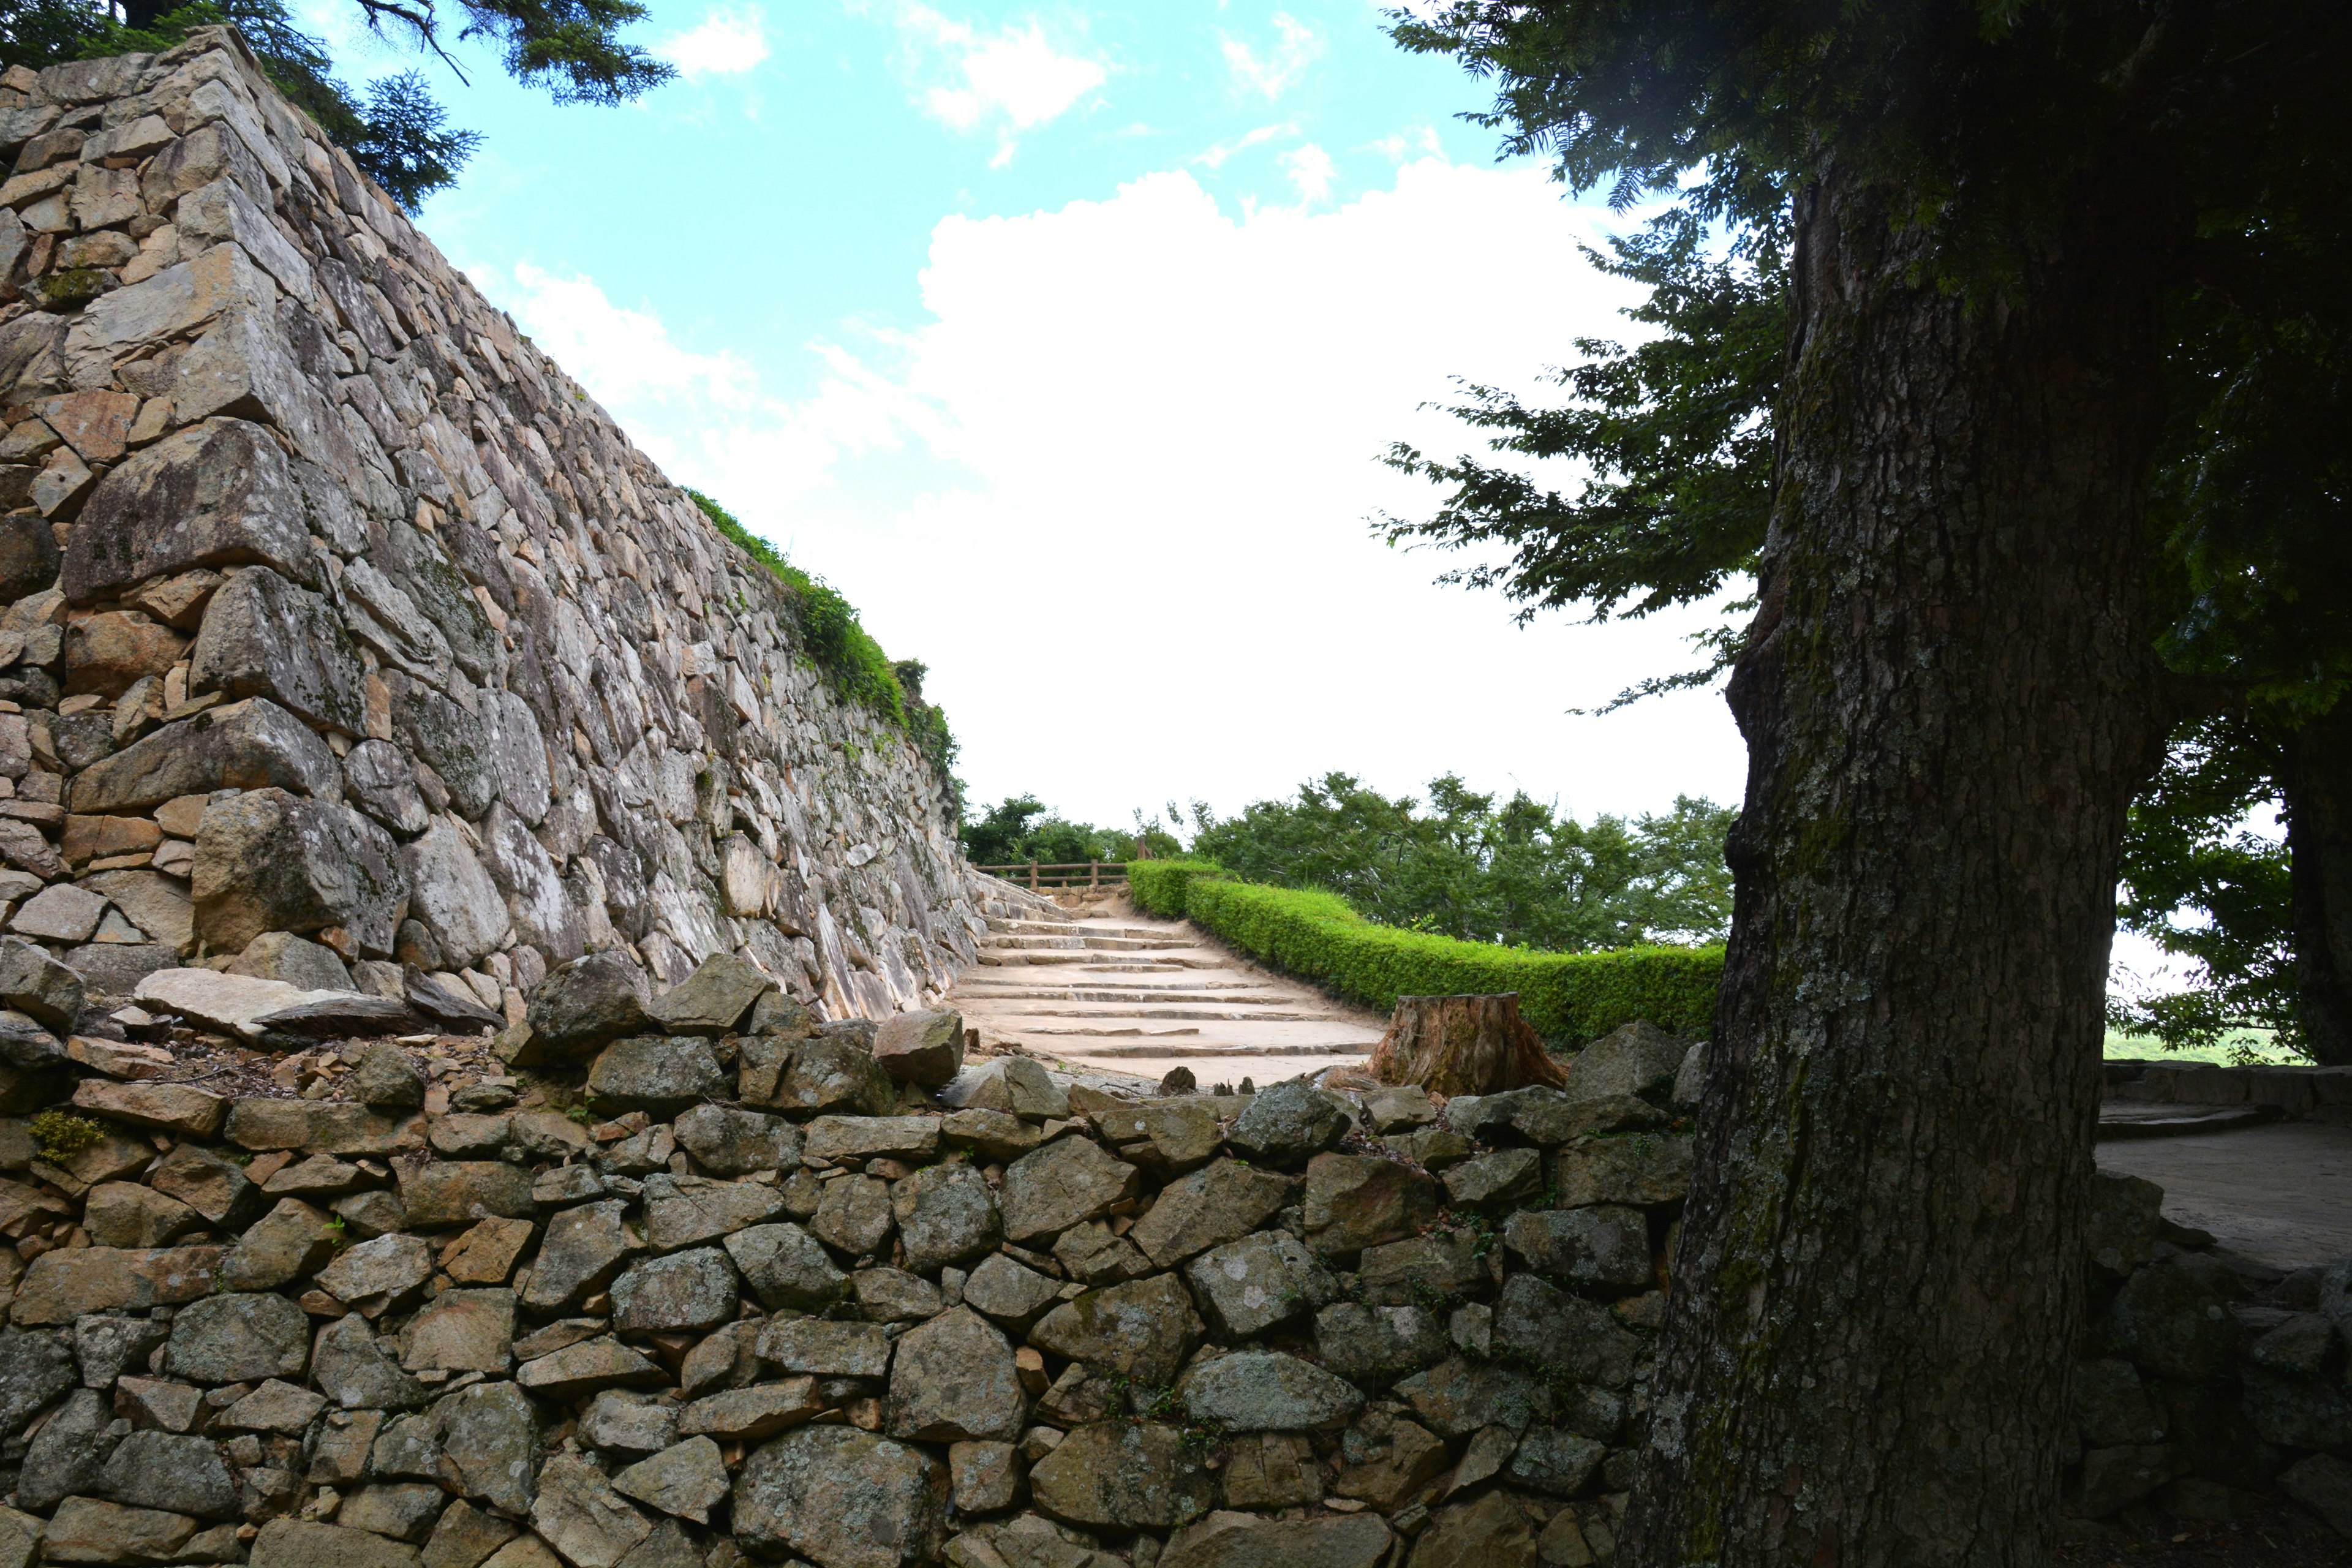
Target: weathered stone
point(1503, 1176)
point(1439, 1266)
point(313, 1127)
point(34, 1368)
point(67, 1454)
point(155, 1405)
point(123, 1214)
point(946, 1214)
point(1490, 1532)
point(1636, 1058)
point(1375, 1343)
point(354, 1374)
point(842, 1499)
point(1457, 1397)
point(87, 1530)
point(692, 1290)
point(588, 1367)
point(1548, 1459)
point(274, 1407)
point(749, 1415)
point(254, 744)
point(66, 1284)
point(785, 1267)
point(1566, 1334)
point(1260, 1282)
point(1008, 1292)
point(1142, 1331)
point(831, 1075)
point(298, 1543)
point(489, 1445)
point(990, 1134)
point(1123, 1475)
point(726, 1142)
point(954, 1378)
point(288, 1242)
point(2173, 1319)
point(29, 556)
point(105, 1346)
point(869, 1137)
point(1637, 1169)
point(1220, 1202)
point(923, 1048)
point(240, 1338)
point(170, 1471)
point(1015, 1085)
point(386, 1079)
point(462, 1330)
point(214, 494)
point(686, 1479)
point(34, 983)
point(271, 860)
point(685, 1211)
point(1601, 1247)
point(1067, 1183)
point(61, 912)
point(1094, 1254)
point(824, 1349)
point(304, 965)
point(2322, 1483)
point(466, 1537)
point(1388, 1459)
point(580, 1514)
point(441, 1193)
point(854, 1216)
point(1167, 1135)
point(715, 1000)
point(263, 636)
point(657, 1075)
point(585, 1004)
point(1266, 1391)
point(1247, 1540)
point(1287, 1124)
point(584, 1249)
point(1357, 1201)
point(403, 1510)
point(984, 1475)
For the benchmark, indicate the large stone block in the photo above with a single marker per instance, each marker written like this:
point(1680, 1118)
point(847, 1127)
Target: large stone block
point(268, 860)
point(215, 494)
point(254, 744)
point(842, 1499)
point(264, 637)
point(453, 896)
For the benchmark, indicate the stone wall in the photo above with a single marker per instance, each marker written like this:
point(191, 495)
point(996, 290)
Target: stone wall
point(2284, 1089)
point(335, 610)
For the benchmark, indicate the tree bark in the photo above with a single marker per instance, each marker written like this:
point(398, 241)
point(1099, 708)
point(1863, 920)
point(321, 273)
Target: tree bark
point(2317, 782)
point(1948, 701)
point(1462, 1045)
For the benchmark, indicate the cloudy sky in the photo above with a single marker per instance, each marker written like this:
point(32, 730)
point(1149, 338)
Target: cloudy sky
point(1064, 341)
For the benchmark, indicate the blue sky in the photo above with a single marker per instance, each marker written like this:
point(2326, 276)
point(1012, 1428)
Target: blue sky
point(1064, 339)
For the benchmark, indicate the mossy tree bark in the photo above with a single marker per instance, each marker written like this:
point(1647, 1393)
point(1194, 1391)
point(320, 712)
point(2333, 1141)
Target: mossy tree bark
point(1948, 701)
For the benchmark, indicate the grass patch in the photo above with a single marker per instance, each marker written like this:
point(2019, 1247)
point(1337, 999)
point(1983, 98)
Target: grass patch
point(2244, 1048)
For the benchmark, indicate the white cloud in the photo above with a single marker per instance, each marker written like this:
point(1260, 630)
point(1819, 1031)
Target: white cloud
point(1011, 79)
point(1310, 170)
point(1279, 69)
point(1216, 156)
point(726, 43)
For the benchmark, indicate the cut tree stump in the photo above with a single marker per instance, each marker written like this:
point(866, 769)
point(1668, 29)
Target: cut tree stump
point(1462, 1045)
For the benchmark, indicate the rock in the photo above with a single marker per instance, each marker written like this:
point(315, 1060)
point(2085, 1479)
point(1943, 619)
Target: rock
point(123, 1214)
point(376, 1276)
point(176, 1473)
point(923, 1048)
point(715, 1000)
point(489, 1445)
point(1457, 1397)
point(726, 1142)
point(442, 1194)
point(826, 1075)
point(462, 1330)
point(684, 1211)
point(824, 1349)
point(296, 961)
point(298, 1543)
point(1503, 1176)
point(1422, 1268)
point(271, 860)
point(404, 1510)
point(1015, 1085)
point(2112, 1477)
point(693, 1291)
point(354, 1374)
point(946, 1215)
point(274, 1407)
point(466, 1537)
point(749, 1415)
point(288, 1242)
point(89, 1530)
point(954, 1379)
point(314, 1127)
point(1388, 1459)
point(1272, 1470)
point(1123, 1475)
point(105, 1347)
point(1142, 1331)
point(1266, 1391)
point(1637, 1170)
point(486, 1254)
point(1375, 1343)
point(1167, 1135)
point(156, 1405)
point(2126, 1219)
point(1359, 1201)
point(585, 1004)
point(34, 983)
point(2322, 1483)
point(1490, 1532)
point(1067, 1183)
point(1548, 1459)
point(214, 494)
point(60, 912)
point(984, 1477)
point(1247, 1541)
point(842, 1499)
point(1287, 1124)
point(1576, 1338)
point(175, 1107)
point(911, 1138)
point(1600, 1247)
point(997, 1135)
point(2173, 1319)
point(657, 1075)
point(854, 1216)
point(1220, 1202)
point(263, 636)
point(584, 1249)
point(786, 1267)
point(251, 745)
point(240, 1338)
point(29, 556)
point(158, 905)
point(579, 1514)
point(1260, 1282)
point(34, 1368)
point(454, 900)
point(587, 1368)
point(387, 1079)
point(1008, 1292)
point(68, 1453)
point(2111, 1408)
point(686, 1479)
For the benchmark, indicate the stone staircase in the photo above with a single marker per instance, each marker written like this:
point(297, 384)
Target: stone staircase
point(1130, 994)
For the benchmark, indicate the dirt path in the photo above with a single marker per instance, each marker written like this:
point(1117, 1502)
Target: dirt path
point(2281, 1194)
point(1131, 994)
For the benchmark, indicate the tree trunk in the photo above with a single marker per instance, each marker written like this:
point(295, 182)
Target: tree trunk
point(1948, 704)
point(1462, 1045)
point(2316, 780)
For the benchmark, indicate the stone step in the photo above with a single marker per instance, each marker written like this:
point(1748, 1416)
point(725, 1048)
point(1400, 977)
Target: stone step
point(1205, 995)
point(1071, 928)
point(1223, 1014)
point(1068, 957)
point(1225, 1053)
point(1088, 943)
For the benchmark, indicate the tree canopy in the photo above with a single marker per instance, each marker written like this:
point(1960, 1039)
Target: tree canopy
point(394, 128)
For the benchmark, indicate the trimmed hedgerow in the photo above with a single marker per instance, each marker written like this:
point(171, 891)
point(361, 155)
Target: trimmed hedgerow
point(1568, 998)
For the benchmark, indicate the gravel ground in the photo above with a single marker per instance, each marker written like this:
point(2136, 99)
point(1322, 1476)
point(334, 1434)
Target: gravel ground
point(2271, 1533)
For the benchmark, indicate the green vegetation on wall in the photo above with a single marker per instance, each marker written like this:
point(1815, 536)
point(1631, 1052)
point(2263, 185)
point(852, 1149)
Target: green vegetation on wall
point(1570, 998)
point(842, 651)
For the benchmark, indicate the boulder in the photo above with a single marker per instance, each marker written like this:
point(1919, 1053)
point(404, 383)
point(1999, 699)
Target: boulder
point(124, 1214)
point(1067, 1183)
point(349, 1369)
point(1357, 1201)
point(985, 1477)
point(1438, 1267)
point(1562, 1333)
point(381, 782)
point(684, 1211)
point(240, 1338)
point(1142, 1331)
point(588, 1367)
point(1266, 1391)
point(585, 1004)
point(655, 1074)
point(490, 1443)
point(264, 637)
point(692, 1291)
point(1260, 1282)
point(1247, 1540)
point(462, 1330)
point(1287, 1124)
point(167, 1470)
point(578, 1513)
point(454, 898)
point(1166, 1135)
point(823, 1075)
point(271, 860)
point(253, 744)
point(1015, 1085)
point(687, 1480)
point(1009, 1293)
point(34, 983)
point(584, 1249)
point(842, 1499)
point(71, 1282)
point(1220, 1202)
point(749, 1415)
point(402, 1510)
point(921, 1049)
point(1551, 1459)
point(1604, 1247)
point(296, 961)
point(728, 1141)
point(180, 1109)
point(1636, 1058)
point(715, 1000)
point(314, 1127)
point(952, 1379)
point(946, 1215)
point(1123, 1475)
point(786, 1267)
point(34, 1368)
point(1637, 1170)
point(2173, 1319)
point(1488, 1532)
point(87, 1530)
point(219, 493)
point(824, 1349)
point(912, 1138)
point(1365, 1343)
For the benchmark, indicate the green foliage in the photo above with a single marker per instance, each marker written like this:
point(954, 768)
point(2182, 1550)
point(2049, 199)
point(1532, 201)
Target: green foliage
point(59, 1137)
point(841, 649)
point(1466, 866)
point(1161, 887)
point(1570, 998)
point(1022, 827)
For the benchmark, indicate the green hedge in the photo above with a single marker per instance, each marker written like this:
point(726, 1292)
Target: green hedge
point(1568, 998)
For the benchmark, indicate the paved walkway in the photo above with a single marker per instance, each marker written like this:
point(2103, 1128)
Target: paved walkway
point(1133, 994)
point(2281, 1194)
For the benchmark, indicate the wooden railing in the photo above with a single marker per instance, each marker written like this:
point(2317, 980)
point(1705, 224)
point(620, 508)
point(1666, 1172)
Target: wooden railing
point(1072, 874)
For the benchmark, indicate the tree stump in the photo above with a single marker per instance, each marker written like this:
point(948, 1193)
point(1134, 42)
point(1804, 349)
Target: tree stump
point(1462, 1045)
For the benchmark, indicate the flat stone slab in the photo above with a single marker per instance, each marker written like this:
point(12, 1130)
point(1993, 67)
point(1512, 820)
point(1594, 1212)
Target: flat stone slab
point(232, 1004)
